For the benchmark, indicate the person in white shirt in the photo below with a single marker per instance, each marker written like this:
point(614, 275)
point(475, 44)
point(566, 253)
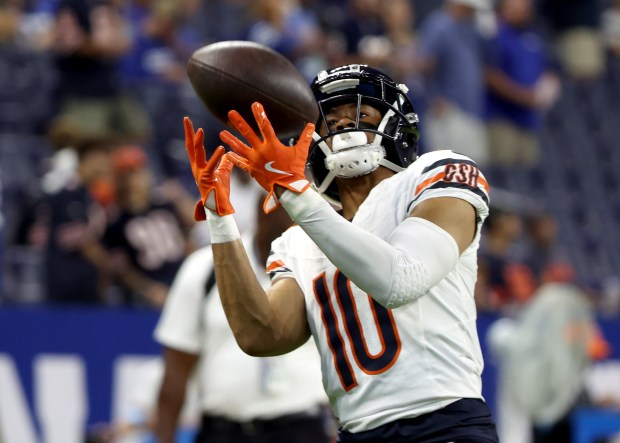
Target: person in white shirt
point(242, 398)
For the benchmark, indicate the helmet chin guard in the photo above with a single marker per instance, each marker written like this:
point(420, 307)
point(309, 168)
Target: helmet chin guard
point(355, 161)
point(351, 154)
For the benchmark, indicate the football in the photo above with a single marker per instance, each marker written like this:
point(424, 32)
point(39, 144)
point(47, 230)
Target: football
point(233, 74)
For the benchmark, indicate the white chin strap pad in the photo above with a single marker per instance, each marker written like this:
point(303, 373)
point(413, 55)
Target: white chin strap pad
point(349, 140)
point(352, 155)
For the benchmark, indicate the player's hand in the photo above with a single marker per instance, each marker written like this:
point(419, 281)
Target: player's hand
point(212, 177)
point(268, 160)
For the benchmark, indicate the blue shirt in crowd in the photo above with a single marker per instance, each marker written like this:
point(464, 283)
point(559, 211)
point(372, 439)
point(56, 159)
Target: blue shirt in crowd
point(521, 55)
point(457, 48)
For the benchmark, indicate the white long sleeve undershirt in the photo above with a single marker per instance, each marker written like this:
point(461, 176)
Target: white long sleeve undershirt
point(416, 256)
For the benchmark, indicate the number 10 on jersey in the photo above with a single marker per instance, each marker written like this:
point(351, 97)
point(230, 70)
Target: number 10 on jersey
point(368, 362)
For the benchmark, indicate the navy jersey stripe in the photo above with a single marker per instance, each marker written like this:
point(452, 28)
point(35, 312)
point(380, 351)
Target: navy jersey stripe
point(443, 185)
point(273, 273)
point(448, 161)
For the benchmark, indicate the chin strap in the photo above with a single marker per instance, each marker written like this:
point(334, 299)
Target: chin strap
point(355, 161)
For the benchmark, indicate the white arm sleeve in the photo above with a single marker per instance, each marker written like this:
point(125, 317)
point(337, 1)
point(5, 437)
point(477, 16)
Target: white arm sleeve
point(415, 258)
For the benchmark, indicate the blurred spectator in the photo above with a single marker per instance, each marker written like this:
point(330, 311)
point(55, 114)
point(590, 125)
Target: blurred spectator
point(147, 238)
point(611, 28)
point(87, 42)
point(26, 227)
point(398, 18)
point(504, 280)
point(2, 247)
point(153, 70)
point(25, 76)
point(36, 19)
point(451, 51)
point(543, 357)
point(26, 81)
point(362, 33)
point(288, 28)
point(603, 386)
point(67, 225)
point(330, 16)
point(520, 86)
point(611, 34)
point(243, 399)
point(545, 255)
point(224, 19)
point(9, 21)
point(575, 25)
point(609, 303)
point(150, 57)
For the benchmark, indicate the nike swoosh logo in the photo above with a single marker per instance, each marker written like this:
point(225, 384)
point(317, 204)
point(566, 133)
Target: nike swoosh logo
point(272, 169)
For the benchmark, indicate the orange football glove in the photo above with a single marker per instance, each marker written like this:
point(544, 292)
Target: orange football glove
point(269, 161)
point(212, 177)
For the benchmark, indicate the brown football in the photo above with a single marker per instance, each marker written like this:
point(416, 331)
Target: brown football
point(234, 74)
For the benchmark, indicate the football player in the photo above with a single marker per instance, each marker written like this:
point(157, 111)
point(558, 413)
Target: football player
point(379, 268)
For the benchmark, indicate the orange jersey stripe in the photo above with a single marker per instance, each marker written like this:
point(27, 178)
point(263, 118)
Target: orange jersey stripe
point(439, 176)
point(484, 183)
point(276, 264)
point(429, 181)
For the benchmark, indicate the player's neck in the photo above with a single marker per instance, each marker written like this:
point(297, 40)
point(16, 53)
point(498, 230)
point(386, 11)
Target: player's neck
point(353, 191)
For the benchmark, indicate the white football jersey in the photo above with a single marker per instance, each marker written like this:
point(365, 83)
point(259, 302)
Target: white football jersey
point(381, 365)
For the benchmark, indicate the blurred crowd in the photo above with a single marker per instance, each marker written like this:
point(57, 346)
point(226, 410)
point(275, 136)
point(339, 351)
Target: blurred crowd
point(97, 196)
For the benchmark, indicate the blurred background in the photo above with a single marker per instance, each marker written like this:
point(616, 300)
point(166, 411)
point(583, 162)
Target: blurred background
point(97, 196)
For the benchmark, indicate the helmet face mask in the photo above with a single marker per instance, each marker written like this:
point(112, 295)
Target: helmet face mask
point(347, 152)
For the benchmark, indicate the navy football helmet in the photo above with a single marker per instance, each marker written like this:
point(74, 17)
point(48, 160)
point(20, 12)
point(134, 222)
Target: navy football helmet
point(395, 144)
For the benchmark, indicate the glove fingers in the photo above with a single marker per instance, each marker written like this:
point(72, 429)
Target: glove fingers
point(264, 124)
point(237, 145)
point(200, 156)
point(189, 138)
point(306, 136)
point(226, 165)
point(215, 158)
point(239, 161)
point(244, 129)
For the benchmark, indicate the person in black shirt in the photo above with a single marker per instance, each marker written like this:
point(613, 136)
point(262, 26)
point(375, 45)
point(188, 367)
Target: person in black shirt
point(73, 220)
point(148, 238)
